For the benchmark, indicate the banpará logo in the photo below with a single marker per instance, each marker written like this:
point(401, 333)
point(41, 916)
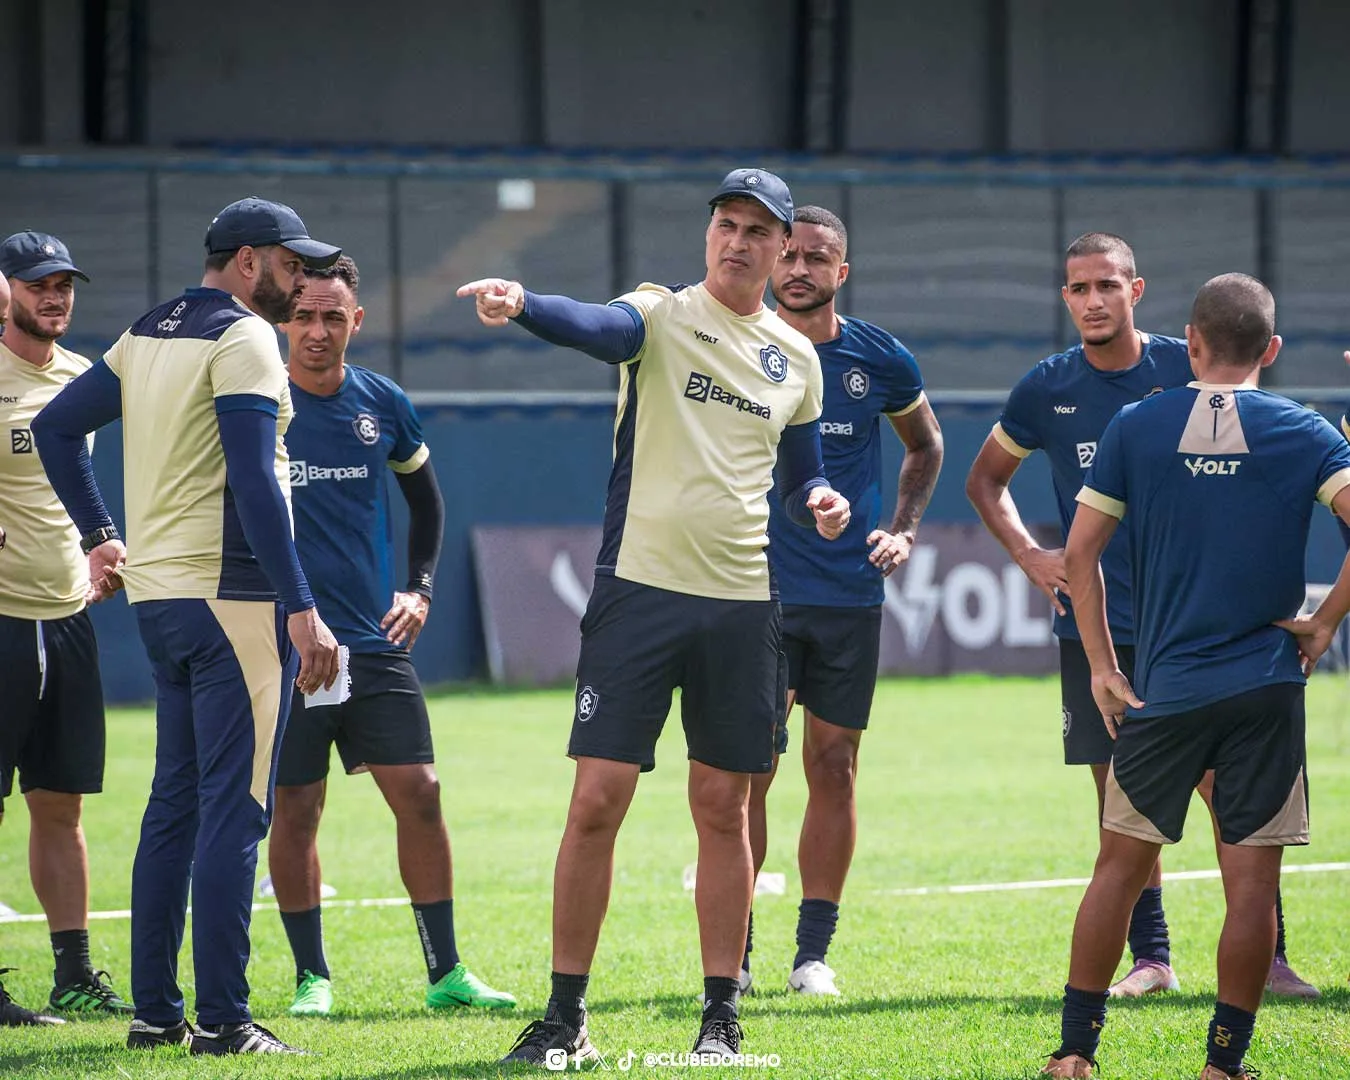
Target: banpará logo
point(1087, 452)
point(701, 387)
point(367, 428)
point(587, 702)
point(302, 473)
point(20, 441)
point(1211, 466)
point(829, 428)
point(774, 362)
point(856, 383)
point(1065, 410)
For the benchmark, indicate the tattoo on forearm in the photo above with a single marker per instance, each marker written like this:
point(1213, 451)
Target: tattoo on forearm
point(918, 477)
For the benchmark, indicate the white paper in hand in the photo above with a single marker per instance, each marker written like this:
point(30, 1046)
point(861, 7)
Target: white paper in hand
point(341, 689)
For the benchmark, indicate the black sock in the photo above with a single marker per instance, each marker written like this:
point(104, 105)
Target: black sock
point(1230, 1033)
point(304, 930)
point(436, 928)
point(719, 998)
point(1081, 1023)
point(816, 920)
point(1279, 927)
point(569, 998)
point(749, 942)
point(1148, 928)
point(70, 949)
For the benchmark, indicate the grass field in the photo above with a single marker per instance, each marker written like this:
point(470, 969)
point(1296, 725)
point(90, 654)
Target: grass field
point(959, 783)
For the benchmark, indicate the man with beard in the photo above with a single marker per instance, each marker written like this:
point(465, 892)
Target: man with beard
point(832, 592)
point(221, 601)
point(51, 724)
point(1062, 406)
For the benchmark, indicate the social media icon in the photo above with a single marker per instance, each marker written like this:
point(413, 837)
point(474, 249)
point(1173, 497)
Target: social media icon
point(555, 1059)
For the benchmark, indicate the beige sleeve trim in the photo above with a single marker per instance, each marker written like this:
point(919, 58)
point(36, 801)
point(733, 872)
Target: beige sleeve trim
point(914, 405)
point(1107, 505)
point(414, 463)
point(1009, 443)
point(1333, 486)
point(1345, 426)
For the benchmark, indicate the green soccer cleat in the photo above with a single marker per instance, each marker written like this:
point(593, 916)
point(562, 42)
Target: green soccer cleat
point(460, 986)
point(91, 994)
point(313, 997)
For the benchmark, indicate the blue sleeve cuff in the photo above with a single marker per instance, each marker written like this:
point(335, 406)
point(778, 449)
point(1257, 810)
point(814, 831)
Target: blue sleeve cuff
point(228, 403)
point(613, 333)
point(800, 468)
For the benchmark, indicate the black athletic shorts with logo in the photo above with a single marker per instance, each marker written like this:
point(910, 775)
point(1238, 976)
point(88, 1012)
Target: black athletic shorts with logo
point(51, 706)
point(384, 722)
point(1086, 741)
point(638, 643)
point(832, 656)
point(1253, 741)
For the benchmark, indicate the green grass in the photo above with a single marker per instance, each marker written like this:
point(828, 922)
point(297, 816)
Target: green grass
point(959, 782)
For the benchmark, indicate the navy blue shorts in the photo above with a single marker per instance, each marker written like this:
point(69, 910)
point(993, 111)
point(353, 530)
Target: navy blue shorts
point(1086, 740)
point(832, 655)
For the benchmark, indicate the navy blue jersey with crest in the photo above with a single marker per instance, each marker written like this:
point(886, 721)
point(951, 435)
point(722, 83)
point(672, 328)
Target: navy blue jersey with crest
point(339, 448)
point(1062, 406)
point(867, 374)
point(1216, 486)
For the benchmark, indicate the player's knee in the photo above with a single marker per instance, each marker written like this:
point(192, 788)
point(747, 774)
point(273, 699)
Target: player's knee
point(422, 800)
point(720, 808)
point(54, 809)
point(833, 770)
point(298, 808)
point(596, 808)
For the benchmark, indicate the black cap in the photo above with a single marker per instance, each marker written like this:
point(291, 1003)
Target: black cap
point(760, 185)
point(255, 222)
point(32, 255)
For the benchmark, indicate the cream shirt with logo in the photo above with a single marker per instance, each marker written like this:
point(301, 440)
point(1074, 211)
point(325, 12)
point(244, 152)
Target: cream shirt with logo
point(701, 410)
point(43, 573)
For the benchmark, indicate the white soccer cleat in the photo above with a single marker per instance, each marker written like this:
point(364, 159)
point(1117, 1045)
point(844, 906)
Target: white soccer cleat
point(814, 978)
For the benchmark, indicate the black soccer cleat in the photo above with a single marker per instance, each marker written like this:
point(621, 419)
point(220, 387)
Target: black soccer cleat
point(719, 1035)
point(92, 992)
point(143, 1036)
point(552, 1042)
point(12, 1014)
point(246, 1038)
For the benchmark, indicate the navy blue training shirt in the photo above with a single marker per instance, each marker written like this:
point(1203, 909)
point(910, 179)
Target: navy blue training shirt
point(1216, 486)
point(1062, 406)
point(867, 373)
point(339, 448)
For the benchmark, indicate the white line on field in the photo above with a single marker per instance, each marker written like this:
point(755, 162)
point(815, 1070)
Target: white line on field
point(1069, 883)
point(923, 890)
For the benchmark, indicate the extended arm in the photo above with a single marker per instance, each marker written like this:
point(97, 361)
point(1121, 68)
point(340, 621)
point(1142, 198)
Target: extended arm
point(609, 332)
point(987, 490)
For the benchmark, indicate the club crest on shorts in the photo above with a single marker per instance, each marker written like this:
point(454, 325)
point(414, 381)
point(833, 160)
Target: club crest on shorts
point(587, 702)
point(856, 383)
point(774, 362)
point(367, 428)
point(1068, 722)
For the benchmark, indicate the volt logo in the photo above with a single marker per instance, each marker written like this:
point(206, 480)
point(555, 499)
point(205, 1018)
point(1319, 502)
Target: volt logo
point(1211, 467)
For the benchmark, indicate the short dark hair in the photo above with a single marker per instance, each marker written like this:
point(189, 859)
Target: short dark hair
point(818, 215)
point(344, 270)
point(1235, 314)
point(218, 260)
point(1101, 243)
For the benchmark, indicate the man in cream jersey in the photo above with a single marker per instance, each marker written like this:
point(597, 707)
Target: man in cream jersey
point(51, 722)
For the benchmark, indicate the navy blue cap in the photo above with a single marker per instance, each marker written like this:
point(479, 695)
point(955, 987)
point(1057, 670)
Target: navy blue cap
point(32, 255)
point(760, 185)
point(255, 222)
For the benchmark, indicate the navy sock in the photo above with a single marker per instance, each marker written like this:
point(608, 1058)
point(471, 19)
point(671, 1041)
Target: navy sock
point(1279, 927)
point(569, 998)
point(304, 930)
point(70, 950)
point(719, 998)
point(816, 920)
point(1148, 928)
point(749, 942)
point(1081, 1023)
point(1230, 1034)
point(436, 928)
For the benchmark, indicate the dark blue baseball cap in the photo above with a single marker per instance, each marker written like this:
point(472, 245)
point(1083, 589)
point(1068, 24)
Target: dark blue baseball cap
point(31, 255)
point(255, 222)
point(760, 185)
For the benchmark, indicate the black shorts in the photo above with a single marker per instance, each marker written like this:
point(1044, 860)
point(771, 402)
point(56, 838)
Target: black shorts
point(832, 656)
point(51, 706)
point(384, 722)
point(1254, 742)
point(1086, 741)
point(639, 642)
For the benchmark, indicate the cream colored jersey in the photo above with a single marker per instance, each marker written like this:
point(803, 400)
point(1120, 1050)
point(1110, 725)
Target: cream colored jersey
point(701, 410)
point(43, 573)
point(183, 536)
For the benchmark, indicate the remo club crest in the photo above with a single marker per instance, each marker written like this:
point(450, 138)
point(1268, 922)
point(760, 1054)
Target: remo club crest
point(367, 429)
point(774, 362)
point(856, 383)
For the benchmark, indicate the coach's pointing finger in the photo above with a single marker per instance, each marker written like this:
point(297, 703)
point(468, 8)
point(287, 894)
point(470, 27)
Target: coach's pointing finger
point(495, 299)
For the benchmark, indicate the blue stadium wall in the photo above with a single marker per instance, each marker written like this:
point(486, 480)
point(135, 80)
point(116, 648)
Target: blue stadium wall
point(549, 465)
